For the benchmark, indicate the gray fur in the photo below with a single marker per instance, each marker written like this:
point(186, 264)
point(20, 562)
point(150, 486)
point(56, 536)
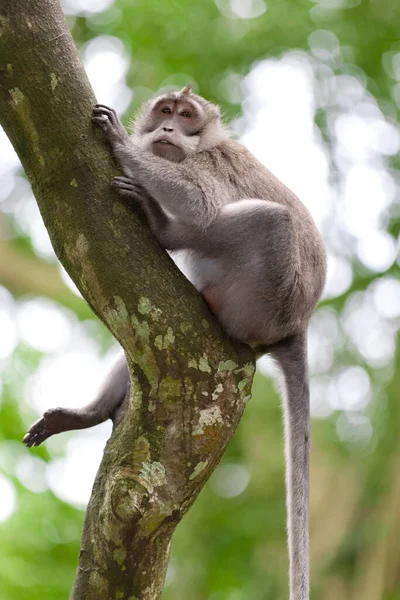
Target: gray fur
point(248, 245)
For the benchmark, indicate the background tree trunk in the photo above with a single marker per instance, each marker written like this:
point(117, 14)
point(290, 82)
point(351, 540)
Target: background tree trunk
point(189, 384)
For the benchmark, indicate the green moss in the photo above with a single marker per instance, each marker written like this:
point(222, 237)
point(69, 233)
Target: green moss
point(185, 327)
point(116, 312)
point(143, 353)
point(144, 306)
point(155, 517)
point(53, 81)
point(169, 338)
point(73, 183)
point(4, 25)
point(158, 342)
point(199, 468)
point(21, 105)
point(142, 328)
point(203, 364)
point(82, 246)
point(248, 369)
point(152, 475)
point(119, 555)
point(136, 394)
point(17, 96)
point(140, 451)
point(164, 342)
point(99, 582)
point(227, 365)
point(169, 389)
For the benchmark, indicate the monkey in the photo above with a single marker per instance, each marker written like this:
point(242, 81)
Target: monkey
point(247, 244)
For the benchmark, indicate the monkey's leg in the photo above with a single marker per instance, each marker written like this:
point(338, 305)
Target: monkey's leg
point(292, 357)
point(57, 420)
point(253, 258)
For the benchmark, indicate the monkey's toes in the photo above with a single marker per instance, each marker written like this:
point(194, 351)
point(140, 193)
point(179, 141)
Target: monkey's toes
point(37, 434)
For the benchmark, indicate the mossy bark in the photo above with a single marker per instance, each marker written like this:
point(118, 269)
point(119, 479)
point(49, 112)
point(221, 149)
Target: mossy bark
point(189, 383)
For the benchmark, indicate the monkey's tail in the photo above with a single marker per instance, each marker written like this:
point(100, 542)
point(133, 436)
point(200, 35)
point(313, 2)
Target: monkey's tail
point(291, 355)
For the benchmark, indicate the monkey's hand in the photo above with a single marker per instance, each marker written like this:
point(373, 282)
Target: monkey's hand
point(160, 224)
point(106, 118)
point(127, 187)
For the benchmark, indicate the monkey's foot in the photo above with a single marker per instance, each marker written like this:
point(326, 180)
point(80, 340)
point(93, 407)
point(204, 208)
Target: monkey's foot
point(54, 420)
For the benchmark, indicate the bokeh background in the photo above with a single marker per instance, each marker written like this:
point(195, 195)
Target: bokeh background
point(313, 89)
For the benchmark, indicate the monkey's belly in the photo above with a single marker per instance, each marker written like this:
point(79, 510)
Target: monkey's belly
point(201, 271)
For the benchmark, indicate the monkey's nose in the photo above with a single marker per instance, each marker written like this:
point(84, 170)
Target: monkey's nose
point(169, 129)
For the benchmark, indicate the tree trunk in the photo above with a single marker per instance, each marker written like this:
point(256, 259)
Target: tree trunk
point(189, 383)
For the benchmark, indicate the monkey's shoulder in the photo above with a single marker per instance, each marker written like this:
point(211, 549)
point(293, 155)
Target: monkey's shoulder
point(228, 160)
point(233, 162)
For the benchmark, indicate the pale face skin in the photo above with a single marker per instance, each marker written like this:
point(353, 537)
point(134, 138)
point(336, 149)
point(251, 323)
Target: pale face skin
point(170, 122)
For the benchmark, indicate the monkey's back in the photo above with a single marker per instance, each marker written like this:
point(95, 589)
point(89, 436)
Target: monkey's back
point(245, 177)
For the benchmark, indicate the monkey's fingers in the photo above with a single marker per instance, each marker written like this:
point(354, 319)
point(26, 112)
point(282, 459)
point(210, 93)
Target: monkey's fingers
point(101, 122)
point(107, 108)
point(126, 186)
point(126, 183)
point(101, 109)
point(124, 179)
point(106, 118)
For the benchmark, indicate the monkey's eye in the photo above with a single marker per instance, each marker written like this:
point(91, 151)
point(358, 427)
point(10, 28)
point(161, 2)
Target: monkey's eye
point(186, 114)
point(166, 110)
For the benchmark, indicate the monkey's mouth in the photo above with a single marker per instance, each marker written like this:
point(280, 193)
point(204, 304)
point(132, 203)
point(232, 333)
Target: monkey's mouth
point(164, 141)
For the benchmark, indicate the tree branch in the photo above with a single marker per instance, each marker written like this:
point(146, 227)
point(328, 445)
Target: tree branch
point(189, 384)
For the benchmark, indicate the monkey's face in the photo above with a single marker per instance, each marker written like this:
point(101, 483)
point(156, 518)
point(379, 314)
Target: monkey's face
point(172, 127)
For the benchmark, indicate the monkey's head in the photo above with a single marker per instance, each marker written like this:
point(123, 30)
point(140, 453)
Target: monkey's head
point(178, 124)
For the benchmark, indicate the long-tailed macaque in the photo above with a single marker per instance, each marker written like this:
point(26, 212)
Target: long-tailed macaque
point(250, 248)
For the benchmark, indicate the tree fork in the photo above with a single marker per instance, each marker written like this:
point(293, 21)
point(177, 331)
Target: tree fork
point(189, 382)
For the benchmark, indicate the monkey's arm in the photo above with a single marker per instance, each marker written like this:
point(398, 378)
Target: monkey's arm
point(173, 185)
point(171, 234)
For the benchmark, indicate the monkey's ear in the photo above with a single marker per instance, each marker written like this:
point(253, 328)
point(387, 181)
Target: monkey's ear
point(186, 90)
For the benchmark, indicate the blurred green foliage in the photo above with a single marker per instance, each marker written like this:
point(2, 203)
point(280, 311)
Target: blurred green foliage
point(233, 548)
